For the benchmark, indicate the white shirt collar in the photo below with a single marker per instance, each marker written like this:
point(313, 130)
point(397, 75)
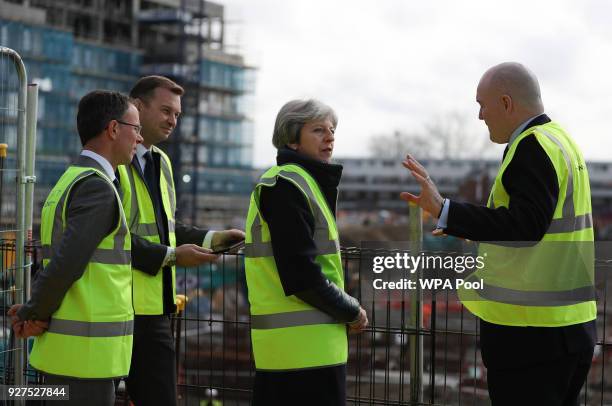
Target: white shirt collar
point(108, 168)
point(520, 129)
point(140, 151)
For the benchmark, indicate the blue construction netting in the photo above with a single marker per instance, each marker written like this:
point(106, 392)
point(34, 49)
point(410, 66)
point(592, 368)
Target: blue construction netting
point(65, 70)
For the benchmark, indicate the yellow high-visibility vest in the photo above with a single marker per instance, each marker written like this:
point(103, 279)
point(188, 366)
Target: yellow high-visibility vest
point(550, 283)
point(140, 212)
point(90, 334)
point(286, 333)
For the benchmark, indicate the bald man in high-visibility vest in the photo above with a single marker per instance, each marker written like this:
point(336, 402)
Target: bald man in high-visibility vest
point(537, 305)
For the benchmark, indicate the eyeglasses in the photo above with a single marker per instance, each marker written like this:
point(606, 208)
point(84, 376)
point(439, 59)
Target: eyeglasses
point(137, 127)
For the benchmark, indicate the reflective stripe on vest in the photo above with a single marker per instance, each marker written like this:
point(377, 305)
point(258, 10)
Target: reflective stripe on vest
point(100, 255)
point(257, 248)
point(286, 333)
point(148, 289)
point(91, 329)
point(537, 298)
point(290, 319)
point(533, 286)
point(97, 305)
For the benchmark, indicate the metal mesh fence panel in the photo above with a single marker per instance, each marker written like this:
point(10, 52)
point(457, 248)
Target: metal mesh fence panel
point(215, 363)
point(12, 141)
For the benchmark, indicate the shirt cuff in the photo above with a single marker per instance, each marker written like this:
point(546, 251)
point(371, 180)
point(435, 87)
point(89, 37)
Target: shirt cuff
point(167, 257)
point(207, 243)
point(444, 216)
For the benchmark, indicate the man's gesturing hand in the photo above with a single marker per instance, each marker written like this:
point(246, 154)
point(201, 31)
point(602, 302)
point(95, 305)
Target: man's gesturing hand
point(429, 199)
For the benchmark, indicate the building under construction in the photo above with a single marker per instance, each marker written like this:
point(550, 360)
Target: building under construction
point(71, 47)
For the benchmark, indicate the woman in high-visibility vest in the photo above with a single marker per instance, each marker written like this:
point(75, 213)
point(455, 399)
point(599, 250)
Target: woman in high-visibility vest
point(299, 309)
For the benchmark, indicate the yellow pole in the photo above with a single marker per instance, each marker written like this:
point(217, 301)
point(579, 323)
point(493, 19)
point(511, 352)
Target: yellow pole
point(3, 148)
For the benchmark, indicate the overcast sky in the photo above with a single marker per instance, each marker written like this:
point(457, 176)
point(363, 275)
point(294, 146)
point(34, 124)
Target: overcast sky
point(395, 64)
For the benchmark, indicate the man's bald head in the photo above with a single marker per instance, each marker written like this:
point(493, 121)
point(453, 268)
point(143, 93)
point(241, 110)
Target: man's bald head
point(518, 82)
point(508, 94)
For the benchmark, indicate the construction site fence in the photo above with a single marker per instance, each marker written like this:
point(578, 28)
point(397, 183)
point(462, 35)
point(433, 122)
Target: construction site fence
point(214, 358)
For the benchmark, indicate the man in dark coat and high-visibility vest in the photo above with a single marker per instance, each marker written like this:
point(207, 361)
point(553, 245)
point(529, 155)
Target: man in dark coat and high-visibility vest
point(159, 243)
point(537, 304)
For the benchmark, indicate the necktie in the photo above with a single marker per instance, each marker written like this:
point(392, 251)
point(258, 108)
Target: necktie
point(152, 182)
point(149, 172)
point(117, 185)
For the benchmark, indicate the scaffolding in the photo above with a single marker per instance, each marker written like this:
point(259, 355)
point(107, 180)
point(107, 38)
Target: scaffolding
point(211, 149)
point(72, 47)
point(65, 67)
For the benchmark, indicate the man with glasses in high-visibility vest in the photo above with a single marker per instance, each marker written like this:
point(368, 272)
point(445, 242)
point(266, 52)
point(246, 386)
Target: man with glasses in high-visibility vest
point(537, 305)
point(84, 290)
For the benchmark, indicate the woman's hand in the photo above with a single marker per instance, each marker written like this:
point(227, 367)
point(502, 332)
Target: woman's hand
point(360, 323)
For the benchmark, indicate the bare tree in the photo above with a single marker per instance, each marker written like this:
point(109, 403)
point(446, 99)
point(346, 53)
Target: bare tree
point(443, 136)
point(394, 146)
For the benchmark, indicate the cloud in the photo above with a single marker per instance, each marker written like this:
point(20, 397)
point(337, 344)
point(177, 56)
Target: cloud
point(394, 64)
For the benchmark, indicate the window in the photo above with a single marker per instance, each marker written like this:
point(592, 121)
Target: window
point(215, 103)
point(88, 58)
point(27, 40)
point(233, 157)
point(214, 75)
point(203, 106)
point(205, 129)
point(37, 43)
point(203, 155)
point(41, 107)
point(77, 56)
point(218, 158)
point(187, 126)
point(234, 132)
point(218, 132)
point(111, 61)
point(247, 156)
point(4, 35)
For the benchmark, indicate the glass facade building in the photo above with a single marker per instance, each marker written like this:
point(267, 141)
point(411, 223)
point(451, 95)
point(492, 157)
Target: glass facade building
point(65, 69)
point(72, 47)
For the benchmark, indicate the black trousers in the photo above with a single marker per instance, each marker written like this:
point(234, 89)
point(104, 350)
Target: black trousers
point(551, 383)
point(94, 392)
point(152, 379)
point(318, 386)
point(536, 365)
